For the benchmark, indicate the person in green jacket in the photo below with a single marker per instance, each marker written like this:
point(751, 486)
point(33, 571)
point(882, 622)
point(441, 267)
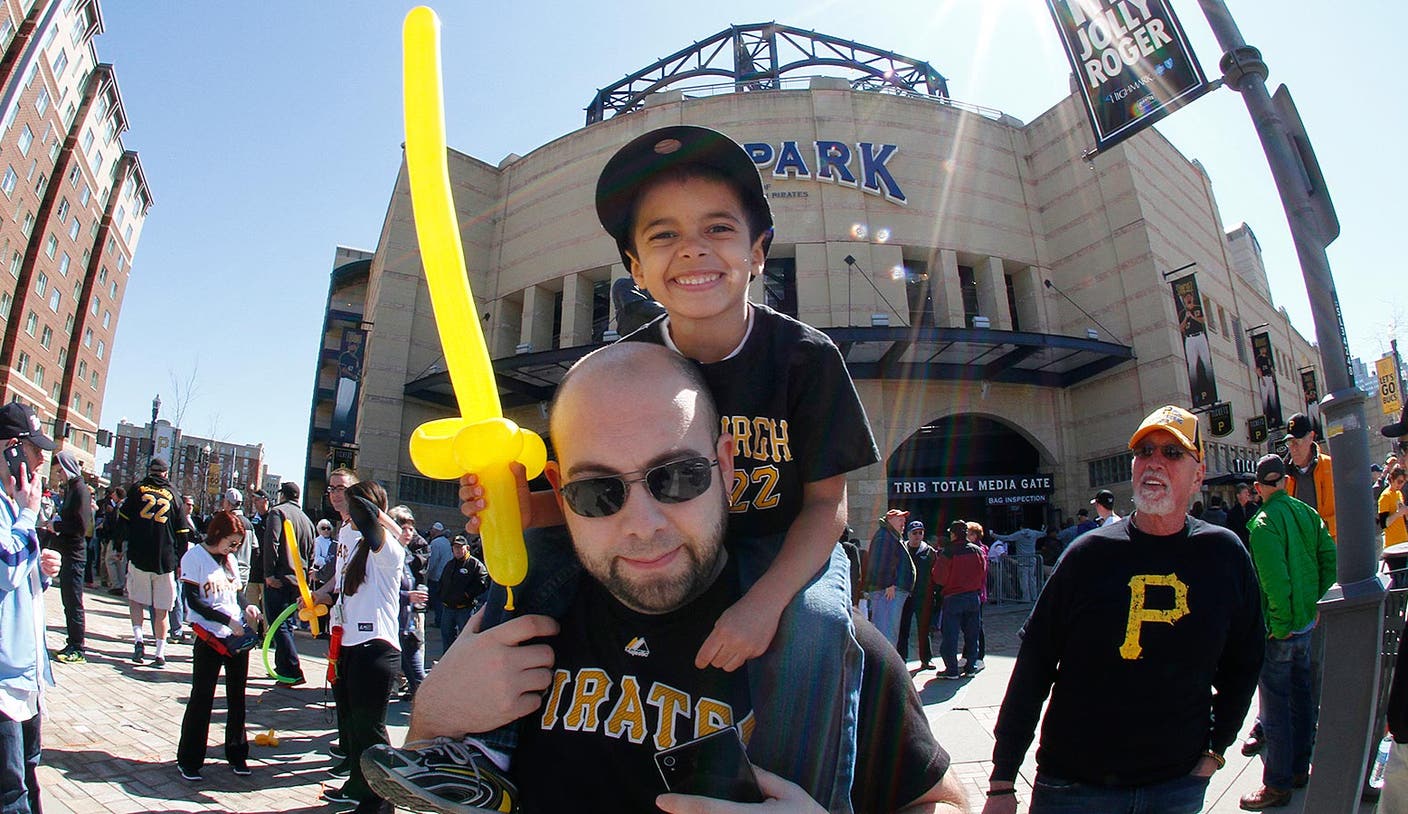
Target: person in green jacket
point(1294, 556)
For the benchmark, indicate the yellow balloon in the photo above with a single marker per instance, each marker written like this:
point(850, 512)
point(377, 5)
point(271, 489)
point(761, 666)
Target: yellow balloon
point(479, 440)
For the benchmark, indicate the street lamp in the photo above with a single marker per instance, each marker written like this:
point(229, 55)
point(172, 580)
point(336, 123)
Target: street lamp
point(156, 408)
point(204, 477)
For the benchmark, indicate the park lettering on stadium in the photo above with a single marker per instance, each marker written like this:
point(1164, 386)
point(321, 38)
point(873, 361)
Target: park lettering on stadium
point(1133, 62)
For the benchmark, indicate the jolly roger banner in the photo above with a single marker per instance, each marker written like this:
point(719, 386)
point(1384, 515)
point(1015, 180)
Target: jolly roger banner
point(1267, 389)
point(1193, 325)
point(1132, 61)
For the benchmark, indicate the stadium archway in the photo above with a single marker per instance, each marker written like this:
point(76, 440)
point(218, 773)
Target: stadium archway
point(971, 467)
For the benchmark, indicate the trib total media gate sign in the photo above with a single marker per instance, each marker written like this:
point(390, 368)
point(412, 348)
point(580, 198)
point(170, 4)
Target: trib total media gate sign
point(999, 490)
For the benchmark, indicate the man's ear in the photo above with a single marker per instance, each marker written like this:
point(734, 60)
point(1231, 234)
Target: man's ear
point(553, 472)
point(724, 451)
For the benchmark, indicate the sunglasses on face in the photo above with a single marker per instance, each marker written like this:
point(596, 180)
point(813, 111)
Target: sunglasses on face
point(673, 482)
point(1170, 452)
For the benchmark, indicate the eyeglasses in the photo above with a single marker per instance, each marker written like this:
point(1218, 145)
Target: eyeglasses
point(1170, 452)
point(337, 489)
point(673, 482)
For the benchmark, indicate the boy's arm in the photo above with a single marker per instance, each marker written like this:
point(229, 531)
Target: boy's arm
point(746, 629)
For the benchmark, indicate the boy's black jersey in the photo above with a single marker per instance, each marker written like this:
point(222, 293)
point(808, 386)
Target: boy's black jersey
point(794, 414)
point(625, 687)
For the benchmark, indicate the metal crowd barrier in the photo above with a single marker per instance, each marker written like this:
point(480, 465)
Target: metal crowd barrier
point(1015, 579)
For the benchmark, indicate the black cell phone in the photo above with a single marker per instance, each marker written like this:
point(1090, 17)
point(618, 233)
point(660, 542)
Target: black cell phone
point(14, 458)
point(712, 766)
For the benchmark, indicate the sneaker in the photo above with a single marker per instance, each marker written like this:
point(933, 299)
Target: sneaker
point(159, 661)
point(448, 777)
point(189, 774)
point(343, 769)
point(173, 638)
point(139, 652)
point(241, 769)
point(1253, 743)
point(952, 675)
point(70, 656)
point(926, 665)
point(336, 751)
point(337, 796)
point(977, 666)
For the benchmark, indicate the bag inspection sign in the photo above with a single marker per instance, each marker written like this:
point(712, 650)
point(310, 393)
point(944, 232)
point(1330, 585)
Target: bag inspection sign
point(1132, 61)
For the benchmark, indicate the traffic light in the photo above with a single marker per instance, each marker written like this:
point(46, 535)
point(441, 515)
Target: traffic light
point(104, 438)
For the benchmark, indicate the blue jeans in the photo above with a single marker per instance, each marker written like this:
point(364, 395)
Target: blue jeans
point(276, 601)
point(19, 757)
point(1055, 795)
point(1288, 713)
point(815, 647)
point(412, 659)
point(452, 621)
point(885, 614)
point(961, 614)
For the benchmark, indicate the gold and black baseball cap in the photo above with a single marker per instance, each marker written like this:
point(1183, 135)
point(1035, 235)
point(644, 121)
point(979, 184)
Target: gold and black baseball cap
point(1180, 423)
point(668, 148)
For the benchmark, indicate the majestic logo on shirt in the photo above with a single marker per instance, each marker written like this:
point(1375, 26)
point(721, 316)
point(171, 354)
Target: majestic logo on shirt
point(638, 647)
point(1140, 614)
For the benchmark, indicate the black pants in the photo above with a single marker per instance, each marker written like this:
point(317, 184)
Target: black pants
point(276, 601)
point(71, 591)
point(195, 726)
point(366, 674)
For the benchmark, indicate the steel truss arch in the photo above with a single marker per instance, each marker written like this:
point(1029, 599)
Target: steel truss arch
point(756, 57)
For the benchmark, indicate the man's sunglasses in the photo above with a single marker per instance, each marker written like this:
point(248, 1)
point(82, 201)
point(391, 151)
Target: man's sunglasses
point(1171, 452)
point(673, 482)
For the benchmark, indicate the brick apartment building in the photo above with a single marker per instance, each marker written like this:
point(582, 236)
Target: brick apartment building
point(200, 467)
point(74, 201)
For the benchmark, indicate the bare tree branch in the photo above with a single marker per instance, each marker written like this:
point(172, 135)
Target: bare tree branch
point(184, 391)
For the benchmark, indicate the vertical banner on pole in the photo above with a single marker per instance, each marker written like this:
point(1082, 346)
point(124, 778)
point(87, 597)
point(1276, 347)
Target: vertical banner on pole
point(1132, 61)
point(1389, 386)
point(1267, 387)
point(1311, 390)
point(349, 377)
point(1192, 323)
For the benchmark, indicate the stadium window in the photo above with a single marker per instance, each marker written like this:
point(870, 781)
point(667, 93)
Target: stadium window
point(920, 293)
point(780, 285)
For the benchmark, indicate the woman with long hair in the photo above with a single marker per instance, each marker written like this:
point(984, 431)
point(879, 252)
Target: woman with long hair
point(223, 622)
point(370, 656)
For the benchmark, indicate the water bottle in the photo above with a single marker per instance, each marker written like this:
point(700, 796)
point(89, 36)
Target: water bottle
point(420, 606)
point(1376, 778)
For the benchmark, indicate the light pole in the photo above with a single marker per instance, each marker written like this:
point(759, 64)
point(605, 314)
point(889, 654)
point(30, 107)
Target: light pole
point(156, 408)
point(1352, 612)
point(204, 478)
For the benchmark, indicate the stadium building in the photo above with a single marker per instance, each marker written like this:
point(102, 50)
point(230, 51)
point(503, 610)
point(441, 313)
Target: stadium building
point(1001, 302)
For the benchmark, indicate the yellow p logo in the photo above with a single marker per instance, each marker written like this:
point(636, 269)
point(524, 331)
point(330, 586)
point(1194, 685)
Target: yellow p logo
point(1139, 614)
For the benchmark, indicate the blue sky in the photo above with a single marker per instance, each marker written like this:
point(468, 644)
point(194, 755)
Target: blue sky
point(270, 134)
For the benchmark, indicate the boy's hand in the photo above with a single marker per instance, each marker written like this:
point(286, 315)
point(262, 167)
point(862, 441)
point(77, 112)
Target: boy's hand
point(742, 632)
point(472, 500)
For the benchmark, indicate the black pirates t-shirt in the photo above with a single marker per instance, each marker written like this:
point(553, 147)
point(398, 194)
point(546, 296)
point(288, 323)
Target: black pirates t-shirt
point(1150, 647)
point(790, 404)
point(625, 687)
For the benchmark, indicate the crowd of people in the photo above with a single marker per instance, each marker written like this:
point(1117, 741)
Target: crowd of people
point(684, 615)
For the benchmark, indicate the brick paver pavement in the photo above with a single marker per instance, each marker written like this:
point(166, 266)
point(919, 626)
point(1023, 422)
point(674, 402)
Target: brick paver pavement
point(111, 728)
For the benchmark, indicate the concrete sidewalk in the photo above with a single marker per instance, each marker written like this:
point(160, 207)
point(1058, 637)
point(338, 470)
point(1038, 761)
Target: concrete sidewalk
point(111, 728)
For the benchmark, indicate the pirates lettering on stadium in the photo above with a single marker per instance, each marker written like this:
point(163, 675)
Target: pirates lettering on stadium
point(863, 165)
point(591, 702)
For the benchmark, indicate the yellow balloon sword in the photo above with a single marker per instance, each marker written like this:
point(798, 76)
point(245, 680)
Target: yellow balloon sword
point(480, 440)
point(309, 612)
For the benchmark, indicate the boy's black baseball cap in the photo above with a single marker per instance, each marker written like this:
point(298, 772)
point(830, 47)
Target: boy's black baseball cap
point(645, 157)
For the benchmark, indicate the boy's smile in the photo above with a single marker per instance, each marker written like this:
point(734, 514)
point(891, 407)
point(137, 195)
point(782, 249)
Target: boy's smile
point(692, 251)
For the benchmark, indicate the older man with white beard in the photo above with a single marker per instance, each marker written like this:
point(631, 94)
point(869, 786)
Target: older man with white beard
point(1148, 638)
